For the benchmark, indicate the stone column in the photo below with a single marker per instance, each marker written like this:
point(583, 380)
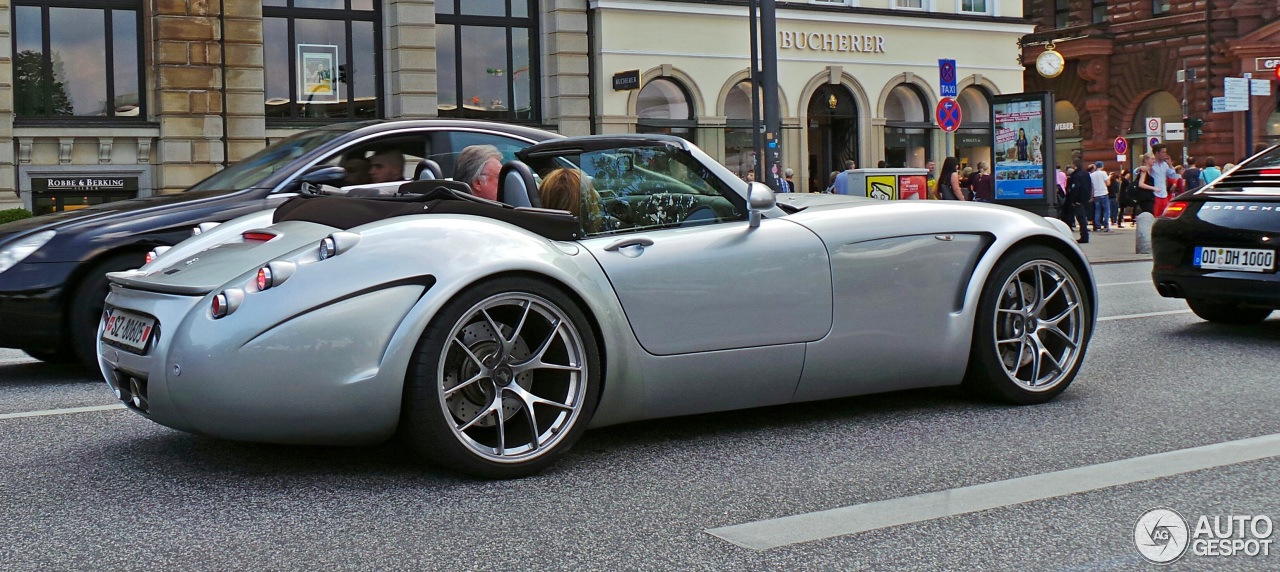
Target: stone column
point(7, 170)
point(568, 84)
point(245, 79)
point(409, 52)
point(188, 91)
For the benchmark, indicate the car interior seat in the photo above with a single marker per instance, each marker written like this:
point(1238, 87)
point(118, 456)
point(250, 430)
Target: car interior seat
point(427, 170)
point(517, 185)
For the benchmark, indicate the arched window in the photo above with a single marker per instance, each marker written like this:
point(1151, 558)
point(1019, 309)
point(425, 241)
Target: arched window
point(1068, 141)
point(973, 138)
point(739, 150)
point(486, 54)
point(664, 106)
point(320, 59)
point(1168, 109)
point(908, 130)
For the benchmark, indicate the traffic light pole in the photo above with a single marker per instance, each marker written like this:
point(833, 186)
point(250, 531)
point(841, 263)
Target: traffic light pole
point(769, 83)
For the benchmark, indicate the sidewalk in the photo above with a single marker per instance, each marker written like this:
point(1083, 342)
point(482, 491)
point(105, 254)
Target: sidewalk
point(1114, 246)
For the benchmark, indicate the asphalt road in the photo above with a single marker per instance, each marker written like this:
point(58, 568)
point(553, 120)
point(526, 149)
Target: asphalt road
point(108, 490)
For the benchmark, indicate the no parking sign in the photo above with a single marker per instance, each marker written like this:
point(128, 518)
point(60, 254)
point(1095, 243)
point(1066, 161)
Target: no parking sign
point(948, 114)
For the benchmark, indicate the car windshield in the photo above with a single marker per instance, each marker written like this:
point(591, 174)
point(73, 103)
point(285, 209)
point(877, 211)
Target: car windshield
point(251, 171)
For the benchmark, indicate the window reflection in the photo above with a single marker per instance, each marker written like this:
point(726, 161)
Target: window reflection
point(486, 60)
point(90, 68)
point(321, 67)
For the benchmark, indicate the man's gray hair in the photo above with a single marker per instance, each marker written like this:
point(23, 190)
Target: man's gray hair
point(471, 162)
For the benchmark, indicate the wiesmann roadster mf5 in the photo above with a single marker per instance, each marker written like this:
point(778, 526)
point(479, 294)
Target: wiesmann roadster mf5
point(493, 334)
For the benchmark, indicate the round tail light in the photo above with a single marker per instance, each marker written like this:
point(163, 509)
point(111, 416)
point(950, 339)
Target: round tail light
point(264, 278)
point(220, 306)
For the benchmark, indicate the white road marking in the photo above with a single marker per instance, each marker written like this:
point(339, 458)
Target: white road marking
point(1143, 315)
point(16, 361)
point(47, 412)
point(1126, 283)
point(773, 533)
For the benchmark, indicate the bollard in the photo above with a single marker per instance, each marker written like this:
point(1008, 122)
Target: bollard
point(1142, 238)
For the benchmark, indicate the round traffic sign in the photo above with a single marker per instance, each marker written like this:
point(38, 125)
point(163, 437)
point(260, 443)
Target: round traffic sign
point(1153, 124)
point(1152, 142)
point(1122, 146)
point(948, 114)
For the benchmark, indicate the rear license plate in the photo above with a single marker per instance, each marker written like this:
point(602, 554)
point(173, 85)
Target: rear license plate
point(128, 329)
point(1242, 259)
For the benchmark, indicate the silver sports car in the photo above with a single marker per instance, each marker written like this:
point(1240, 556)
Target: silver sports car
point(492, 334)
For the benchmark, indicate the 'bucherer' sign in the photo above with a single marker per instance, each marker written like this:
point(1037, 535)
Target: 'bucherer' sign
point(866, 44)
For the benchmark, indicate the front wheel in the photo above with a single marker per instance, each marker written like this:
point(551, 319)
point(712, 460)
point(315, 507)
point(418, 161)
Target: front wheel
point(504, 380)
point(1226, 313)
point(86, 308)
point(1034, 322)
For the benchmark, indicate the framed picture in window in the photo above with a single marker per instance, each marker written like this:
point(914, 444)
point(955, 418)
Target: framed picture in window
point(317, 73)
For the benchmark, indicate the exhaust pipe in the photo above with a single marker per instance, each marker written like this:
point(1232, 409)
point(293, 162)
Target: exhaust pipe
point(1169, 289)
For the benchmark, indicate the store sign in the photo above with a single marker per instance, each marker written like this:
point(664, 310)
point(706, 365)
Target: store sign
point(813, 41)
point(623, 81)
point(1266, 64)
point(88, 183)
point(1064, 126)
point(971, 140)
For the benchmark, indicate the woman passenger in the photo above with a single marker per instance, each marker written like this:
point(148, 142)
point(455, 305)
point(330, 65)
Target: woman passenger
point(568, 190)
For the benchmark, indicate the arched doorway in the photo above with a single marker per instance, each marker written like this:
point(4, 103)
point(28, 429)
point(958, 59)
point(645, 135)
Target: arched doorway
point(832, 133)
point(739, 151)
point(1160, 104)
point(1067, 141)
point(973, 138)
point(664, 106)
point(908, 131)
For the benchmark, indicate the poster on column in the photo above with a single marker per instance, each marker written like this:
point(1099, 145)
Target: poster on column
point(317, 73)
point(1021, 150)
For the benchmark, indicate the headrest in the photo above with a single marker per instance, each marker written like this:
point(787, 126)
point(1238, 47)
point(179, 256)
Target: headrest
point(428, 169)
point(516, 185)
point(423, 187)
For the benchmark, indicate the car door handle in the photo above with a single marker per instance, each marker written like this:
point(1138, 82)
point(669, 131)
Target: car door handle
point(629, 241)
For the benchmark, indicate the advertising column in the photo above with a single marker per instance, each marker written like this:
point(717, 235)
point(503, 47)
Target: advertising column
point(1022, 162)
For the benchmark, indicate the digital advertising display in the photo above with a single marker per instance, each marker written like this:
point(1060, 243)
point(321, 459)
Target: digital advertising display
point(1022, 153)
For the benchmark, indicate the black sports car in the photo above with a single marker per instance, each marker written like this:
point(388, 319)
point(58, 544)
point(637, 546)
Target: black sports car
point(1216, 247)
point(53, 267)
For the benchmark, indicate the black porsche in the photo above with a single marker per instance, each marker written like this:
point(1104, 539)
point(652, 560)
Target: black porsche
point(52, 267)
point(1216, 247)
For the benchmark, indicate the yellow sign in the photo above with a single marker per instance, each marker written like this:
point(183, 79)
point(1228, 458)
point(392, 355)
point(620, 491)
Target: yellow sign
point(883, 187)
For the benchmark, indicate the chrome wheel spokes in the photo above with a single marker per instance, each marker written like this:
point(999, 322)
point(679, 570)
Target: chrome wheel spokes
point(1039, 326)
point(512, 377)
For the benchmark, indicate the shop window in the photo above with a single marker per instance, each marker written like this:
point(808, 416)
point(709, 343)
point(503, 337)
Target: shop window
point(321, 59)
point(739, 145)
point(1099, 11)
point(973, 139)
point(975, 6)
point(908, 129)
point(1160, 7)
point(911, 4)
point(77, 59)
point(497, 40)
point(663, 106)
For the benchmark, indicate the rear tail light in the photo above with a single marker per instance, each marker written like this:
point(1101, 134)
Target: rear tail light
point(156, 252)
point(258, 236)
point(337, 243)
point(1174, 210)
point(275, 274)
point(226, 302)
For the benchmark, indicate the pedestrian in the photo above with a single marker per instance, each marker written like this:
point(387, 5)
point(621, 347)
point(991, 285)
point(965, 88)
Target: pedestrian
point(1101, 204)
point(841, 184)
point(832, 187)
point(982, 184)
point(1192, 174)
point(1128, 200)
point(1079, 195)
point(1144, 189)
point(1114, 182)
point(949, 181)
point(788, 183)
point(1211, 172)
point(1162, 172)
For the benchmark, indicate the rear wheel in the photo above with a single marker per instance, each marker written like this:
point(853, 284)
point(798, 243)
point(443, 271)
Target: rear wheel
point(86, 307)
point(1032, 327)
point(505, 379)
point(1227, 313)
point(52, 356)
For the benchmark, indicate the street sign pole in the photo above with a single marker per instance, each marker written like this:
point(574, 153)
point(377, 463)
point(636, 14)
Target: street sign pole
point(769, 73)
point(1248, 118)
point(757, 150)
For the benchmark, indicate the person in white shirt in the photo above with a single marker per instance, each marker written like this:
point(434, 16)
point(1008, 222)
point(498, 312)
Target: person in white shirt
point(1101, 204)
point(1161, 173)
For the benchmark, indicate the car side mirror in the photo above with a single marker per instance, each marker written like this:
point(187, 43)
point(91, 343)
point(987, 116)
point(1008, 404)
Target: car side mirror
point(759, 198)
point(325, 176)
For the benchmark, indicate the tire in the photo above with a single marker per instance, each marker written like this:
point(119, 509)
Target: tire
point(86, 306)
point(1034, 286)
point(1227, 313)
point(474, 405)
point(60, 356)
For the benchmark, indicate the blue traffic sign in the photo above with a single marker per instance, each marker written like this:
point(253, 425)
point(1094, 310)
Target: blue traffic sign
point(947, 77)
point(948, 114)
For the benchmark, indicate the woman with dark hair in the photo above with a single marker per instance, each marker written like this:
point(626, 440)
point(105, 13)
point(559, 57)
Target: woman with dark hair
point(1022, 144)
point(949, 181)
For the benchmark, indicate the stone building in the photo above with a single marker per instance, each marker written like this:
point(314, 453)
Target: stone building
point(1124, 61)
point(104, 100)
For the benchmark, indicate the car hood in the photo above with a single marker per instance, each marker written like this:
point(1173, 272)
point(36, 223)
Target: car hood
point(114, 212)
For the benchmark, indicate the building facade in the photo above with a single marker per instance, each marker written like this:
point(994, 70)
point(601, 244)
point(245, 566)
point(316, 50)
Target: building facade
point(857, 79)
point(103, 100)
point(1125, 60)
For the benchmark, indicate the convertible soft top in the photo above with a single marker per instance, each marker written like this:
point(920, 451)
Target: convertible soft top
point(348, 212)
